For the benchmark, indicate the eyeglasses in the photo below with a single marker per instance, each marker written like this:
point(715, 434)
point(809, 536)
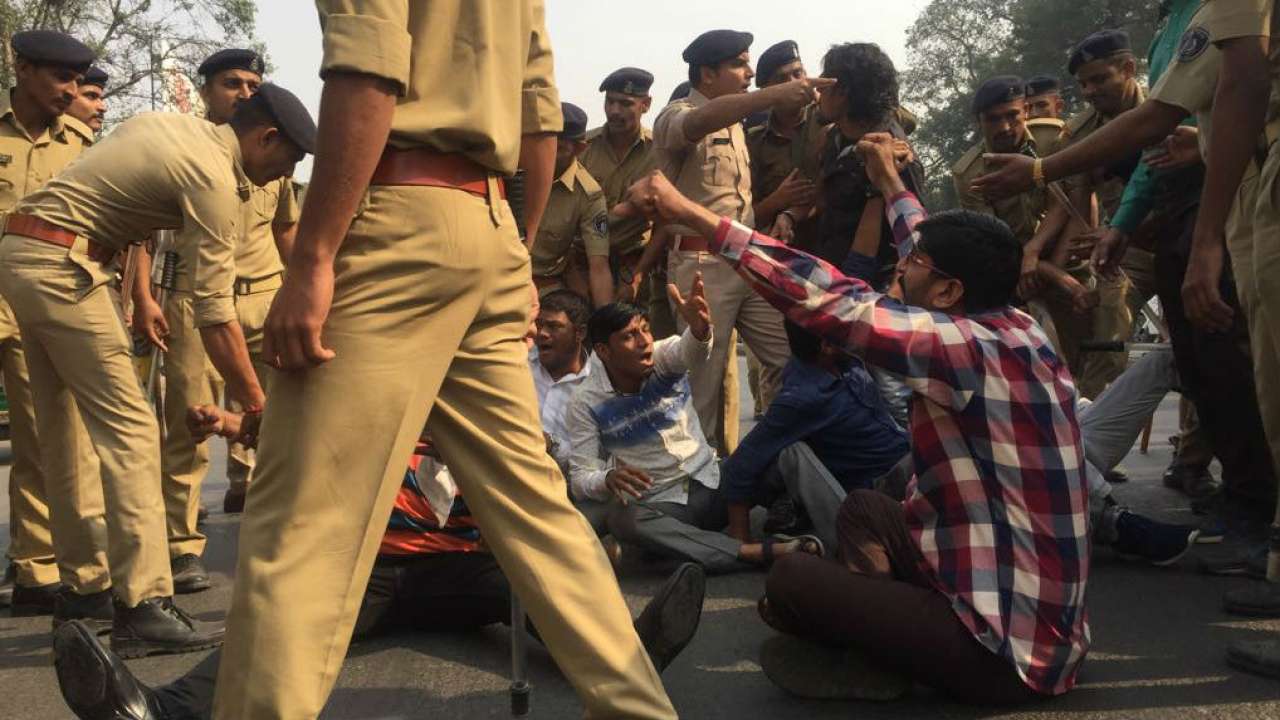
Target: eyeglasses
point(914, 257)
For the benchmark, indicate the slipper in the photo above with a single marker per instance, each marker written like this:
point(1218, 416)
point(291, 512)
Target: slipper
point(809, 544)
point(810, 670)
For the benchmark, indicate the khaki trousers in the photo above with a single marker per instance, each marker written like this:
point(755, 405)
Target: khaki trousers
point(189, 379)
point(78, 350)
point(251, 312)
point(734, 305)
point(82, 564)
point(430, 308)
point(1258, 252)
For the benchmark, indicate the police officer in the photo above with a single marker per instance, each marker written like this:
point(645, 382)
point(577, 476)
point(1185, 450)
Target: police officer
point(619, 153)
point(575, 226)
point(1035, 216)
point(701, 148)
point(1106, 70)
point(268, 226)
point(408, 296)
point(155, 170)
point(90, 105)
point(37, 140)
point(1044, 98)
point(784, 149)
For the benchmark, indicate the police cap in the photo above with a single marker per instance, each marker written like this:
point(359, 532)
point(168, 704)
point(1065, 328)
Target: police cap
point(681, 92)
point(778, 55)
point(1041, 84)
point(232, 59)
point(716, 46)
point(575, 121)
point(1099, 45)
point(997, 90)
point(291, 116)
point(628, 81)
point(95, 76)
point(52, 48)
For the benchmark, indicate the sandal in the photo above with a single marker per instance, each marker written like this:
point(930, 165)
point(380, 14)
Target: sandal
point(809, 544)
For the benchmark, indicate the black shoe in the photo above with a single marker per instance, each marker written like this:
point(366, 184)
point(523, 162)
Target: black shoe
point(233, 501)
point(1159, 543)
point(95, 610)
point(158, 627)
point(6, 584)
point(189, 575)
point(95, 682)
point(30, 601)
point(1115, 476)
point(669, 621)
point(1194, 482)
point(1253, 600)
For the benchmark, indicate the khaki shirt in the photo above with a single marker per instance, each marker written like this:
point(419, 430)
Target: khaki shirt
point(257, 255)
point(1108, 186)
point(156, 171)
point(714, 171)
point(1022, 212)
point(576, 218)
point(473, 75)
point(615, 175)
point(774, 156)
point(27, 163)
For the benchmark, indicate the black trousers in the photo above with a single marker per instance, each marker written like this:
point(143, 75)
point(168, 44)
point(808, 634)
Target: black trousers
point(453, 591)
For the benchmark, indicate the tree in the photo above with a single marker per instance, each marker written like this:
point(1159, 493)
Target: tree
point(956, 44)
point(136, 40)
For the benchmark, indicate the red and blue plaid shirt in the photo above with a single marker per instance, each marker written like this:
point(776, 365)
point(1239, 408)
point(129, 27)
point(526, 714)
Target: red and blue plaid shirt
point(999, 506)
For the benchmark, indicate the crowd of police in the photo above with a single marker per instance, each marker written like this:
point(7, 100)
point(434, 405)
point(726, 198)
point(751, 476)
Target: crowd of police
point(407, 297)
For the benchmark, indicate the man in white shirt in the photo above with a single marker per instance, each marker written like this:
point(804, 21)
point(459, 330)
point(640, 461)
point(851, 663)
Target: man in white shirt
point(559, 364)
point(638, 450)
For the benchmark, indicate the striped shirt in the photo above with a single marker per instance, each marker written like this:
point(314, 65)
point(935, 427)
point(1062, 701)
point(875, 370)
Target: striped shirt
point(416, 528)
point(998, 507)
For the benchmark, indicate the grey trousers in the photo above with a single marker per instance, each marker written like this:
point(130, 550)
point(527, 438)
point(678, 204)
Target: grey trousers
point(693, 531)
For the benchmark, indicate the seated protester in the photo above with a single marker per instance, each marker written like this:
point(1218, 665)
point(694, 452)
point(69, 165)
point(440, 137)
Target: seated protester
point(558, 360)
point(1108, 428)
point(639, 454)
point(976, 583)
point(826, 433)
point(433, 573)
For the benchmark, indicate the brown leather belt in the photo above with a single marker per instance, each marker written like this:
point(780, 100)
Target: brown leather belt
point(41, 229)
point(430, 168)
point(690, 243)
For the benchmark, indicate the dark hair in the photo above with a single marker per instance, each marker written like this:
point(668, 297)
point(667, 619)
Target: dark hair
point(867, 77)
point(695, 75)
point(252, 113)
point(573, 305)
point(609, 319)
point(804, 345)
point(978, 250)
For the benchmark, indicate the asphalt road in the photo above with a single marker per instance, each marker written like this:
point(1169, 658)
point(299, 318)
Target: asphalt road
point(1158, 638)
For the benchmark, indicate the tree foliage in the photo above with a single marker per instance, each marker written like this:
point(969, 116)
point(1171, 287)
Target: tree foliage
point(134, 39)
point(956, 44)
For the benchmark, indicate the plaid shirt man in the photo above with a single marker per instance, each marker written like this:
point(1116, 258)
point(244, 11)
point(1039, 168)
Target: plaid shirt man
point(998, 507)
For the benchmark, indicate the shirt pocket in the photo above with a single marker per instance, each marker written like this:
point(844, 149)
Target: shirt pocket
point(720, 168)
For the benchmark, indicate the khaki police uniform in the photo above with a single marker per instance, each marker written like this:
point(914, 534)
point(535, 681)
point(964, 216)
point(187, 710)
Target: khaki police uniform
point(190, 378)
point(574, 227)
point(26, 163)
point(1022, 212)
point(715, 172)
point(1120, 299)
point(154, 171)
point(774, 155)
point(429, 312)
point(1190, 83)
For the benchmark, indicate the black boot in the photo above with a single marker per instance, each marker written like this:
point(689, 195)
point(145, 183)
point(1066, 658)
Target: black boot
point(95, 682)
point(668, 622)
point(29, 601)
point(94, 610)
point(158, 627)
point(189, 575)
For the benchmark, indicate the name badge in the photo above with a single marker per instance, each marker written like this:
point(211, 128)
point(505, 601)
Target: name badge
point(5, 159)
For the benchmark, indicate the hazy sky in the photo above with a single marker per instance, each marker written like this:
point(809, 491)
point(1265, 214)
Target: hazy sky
point(591, 38)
